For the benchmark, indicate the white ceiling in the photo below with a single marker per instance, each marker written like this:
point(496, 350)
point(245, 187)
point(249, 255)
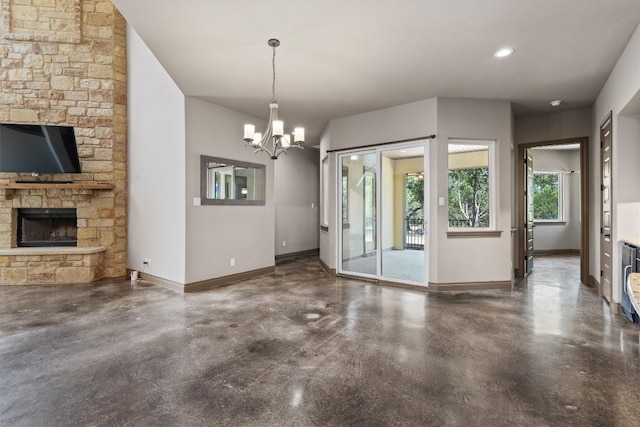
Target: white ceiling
point(343, 57)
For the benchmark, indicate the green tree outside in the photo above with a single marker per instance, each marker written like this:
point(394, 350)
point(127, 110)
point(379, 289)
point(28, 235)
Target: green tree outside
point(469, 198)
point(545, 196)
point(414, 193)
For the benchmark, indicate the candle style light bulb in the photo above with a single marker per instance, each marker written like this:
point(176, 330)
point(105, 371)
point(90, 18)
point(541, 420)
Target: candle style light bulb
point(257, 138)
point(285, 141)
point(278, 128)
point(249, 132)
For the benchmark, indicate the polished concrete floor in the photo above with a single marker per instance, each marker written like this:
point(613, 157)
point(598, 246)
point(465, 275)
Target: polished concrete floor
point(300, 347)
point(403, 265)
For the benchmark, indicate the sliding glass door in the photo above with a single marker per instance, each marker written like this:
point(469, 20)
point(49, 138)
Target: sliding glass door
point(402, 215)
point(382, 205)
point(359, 213)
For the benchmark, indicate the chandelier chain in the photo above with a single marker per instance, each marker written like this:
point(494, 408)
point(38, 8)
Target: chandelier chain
point(273, 85)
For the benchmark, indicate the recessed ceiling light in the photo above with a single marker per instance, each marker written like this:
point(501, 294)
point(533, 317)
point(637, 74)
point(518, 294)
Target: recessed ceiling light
point(503, 52)
point(556, 103)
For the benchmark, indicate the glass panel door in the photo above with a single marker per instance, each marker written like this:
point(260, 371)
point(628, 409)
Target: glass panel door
point(359, 213)
point(402, 216)
point(382, 205)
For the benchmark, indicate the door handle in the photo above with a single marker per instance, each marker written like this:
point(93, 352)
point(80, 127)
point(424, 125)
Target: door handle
point(625, 277)
point(607, 236)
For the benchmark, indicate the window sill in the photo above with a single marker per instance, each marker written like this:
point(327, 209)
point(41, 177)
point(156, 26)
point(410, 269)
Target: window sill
point(550, 223)
point(474, 233)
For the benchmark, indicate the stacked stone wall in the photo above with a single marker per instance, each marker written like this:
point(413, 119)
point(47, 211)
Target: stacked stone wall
point(63, 62)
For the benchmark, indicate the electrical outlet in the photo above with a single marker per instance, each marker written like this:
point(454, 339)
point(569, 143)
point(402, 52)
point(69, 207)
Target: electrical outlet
point(284, 243)
point(232, 262)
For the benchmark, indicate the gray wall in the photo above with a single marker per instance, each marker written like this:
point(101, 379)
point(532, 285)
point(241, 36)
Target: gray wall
point(297, 192)
point(489, 259)
point(327, 240)
point(621, 96)
point(485, 258)
point(215, 234)
point(156, 165)
point(187, 243)
point(554, 126)
point(414, 120)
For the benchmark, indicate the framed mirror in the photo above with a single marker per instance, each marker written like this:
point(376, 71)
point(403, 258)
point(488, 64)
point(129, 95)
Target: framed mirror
point(231, 182)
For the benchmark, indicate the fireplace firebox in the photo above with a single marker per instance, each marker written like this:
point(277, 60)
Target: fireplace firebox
point(39, 227)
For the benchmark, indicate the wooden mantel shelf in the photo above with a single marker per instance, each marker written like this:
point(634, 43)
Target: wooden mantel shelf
point(80, 185)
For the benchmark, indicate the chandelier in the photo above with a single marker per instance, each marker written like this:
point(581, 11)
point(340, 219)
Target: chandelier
point(273, 141)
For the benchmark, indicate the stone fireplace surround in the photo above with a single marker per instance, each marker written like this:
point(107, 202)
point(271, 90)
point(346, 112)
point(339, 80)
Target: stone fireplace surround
point(51, 266)
point(64, 63)
point(56, 264)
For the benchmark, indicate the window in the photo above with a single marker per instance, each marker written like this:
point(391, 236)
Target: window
point(324, 221)
point(471, 183)
point(547, 196)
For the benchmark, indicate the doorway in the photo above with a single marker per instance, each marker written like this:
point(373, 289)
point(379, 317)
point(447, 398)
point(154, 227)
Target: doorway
point(606, 245)
point(382, 203)
point(527, 183)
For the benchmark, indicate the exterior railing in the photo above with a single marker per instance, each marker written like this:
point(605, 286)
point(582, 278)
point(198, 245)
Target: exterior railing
point(458, 223)
point(414, 233)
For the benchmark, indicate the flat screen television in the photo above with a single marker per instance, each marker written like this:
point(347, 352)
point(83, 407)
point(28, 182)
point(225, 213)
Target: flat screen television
point(38, 149)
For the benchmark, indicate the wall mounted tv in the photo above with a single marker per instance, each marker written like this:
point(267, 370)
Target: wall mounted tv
point(38, 149)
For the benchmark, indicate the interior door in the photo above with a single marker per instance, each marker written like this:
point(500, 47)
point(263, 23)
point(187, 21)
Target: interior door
point(528, 194)
point(605, 217)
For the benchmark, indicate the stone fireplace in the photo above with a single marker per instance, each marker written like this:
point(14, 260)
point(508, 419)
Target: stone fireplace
point(64, 63)
point(38, 227)
point(43, 243)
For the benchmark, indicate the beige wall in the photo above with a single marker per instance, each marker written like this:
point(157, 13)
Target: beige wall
point(476, 159)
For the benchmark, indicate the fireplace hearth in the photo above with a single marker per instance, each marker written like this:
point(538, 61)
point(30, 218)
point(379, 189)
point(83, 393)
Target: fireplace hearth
point(38, 227)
